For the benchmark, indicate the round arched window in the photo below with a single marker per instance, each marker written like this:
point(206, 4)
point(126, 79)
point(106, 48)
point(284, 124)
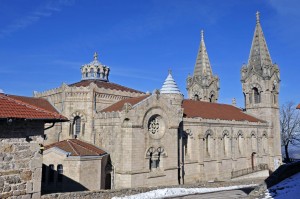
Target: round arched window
point(156, 126)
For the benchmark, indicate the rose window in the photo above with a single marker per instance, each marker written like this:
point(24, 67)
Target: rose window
point(154, 126)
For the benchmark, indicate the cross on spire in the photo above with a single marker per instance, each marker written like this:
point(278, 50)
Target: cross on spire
point(257, 17)
point(95, 56)
point(202, 35)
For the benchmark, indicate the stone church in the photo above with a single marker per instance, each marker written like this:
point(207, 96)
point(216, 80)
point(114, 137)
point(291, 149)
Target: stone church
point(160, 138)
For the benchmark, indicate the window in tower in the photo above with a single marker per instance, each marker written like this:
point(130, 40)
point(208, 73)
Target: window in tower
point(256, 95)
point(98, 73)
point(212, 98)
point(77, 125)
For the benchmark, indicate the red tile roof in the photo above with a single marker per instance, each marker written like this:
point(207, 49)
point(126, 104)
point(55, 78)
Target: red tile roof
point(39, 102)
point(28, 108)
point(209, 110)
point(77, 148)
point(119, 105)
point(298, 107)
point(107, 85)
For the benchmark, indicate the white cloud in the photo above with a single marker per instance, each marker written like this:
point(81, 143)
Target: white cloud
point(46, 10)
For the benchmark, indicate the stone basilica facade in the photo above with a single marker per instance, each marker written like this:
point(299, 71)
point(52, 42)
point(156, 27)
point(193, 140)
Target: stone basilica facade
point(164, 139)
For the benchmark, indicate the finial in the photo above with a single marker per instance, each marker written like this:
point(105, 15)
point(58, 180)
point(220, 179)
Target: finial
point(257, 17)
point(95, 56)
point(202, 35)
point(170, 71)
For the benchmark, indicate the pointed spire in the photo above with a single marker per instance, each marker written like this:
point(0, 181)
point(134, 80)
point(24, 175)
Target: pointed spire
point(259, 53)
point(202, 66)
point(170, 85)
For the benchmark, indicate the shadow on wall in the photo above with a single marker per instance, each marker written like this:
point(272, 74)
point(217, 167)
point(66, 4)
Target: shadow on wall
point(53, 181)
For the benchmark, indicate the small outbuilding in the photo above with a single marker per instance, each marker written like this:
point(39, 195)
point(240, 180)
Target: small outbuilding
point(22, 125)
point(73, 165)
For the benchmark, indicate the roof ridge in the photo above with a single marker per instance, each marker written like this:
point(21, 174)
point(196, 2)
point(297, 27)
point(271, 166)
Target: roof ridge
point(124, 87)
point(20, 102)
point(71, 145)
point(78, 142)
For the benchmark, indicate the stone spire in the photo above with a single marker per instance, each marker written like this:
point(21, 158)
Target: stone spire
point(203, 85)
point(95, 70)
point(202, 66)
point(170, 86)
point(259, 54)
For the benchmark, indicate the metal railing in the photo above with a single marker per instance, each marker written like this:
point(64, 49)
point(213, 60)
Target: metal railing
point(242, 172)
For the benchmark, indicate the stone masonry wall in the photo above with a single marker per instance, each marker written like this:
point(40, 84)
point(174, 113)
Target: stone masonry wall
point(20, 160)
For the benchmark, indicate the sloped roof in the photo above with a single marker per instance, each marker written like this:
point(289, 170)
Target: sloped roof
point(107, 85)
point(208, 110)
point(298, 107)
point(77, 148)
point(20, 107)
point(119, 105)
point(40, 102)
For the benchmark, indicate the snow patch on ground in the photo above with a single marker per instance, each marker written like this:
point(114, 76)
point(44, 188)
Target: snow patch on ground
point(288, 188)
point(170, 192)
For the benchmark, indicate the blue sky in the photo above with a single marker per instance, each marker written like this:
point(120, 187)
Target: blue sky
point(44, 43)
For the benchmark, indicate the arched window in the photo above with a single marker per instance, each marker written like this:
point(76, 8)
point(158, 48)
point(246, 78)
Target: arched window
point(208, 145)
point(226, 143)
point(77, 125)
point(150, 155)
point(256, 95)
point(253, 143)
point(245, 100)
point(86, 73)
point(196, 97)
point(98, 73)
point(212, 98)
point(60, 173)
point(51, 173)
point(154, 157)
point(240, 143)
point(92, 72)
point(265, 143)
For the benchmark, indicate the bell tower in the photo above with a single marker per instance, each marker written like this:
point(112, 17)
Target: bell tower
point(203, 85)
point(260, 83)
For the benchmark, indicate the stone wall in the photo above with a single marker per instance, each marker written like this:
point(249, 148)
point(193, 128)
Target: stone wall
point(20, 160)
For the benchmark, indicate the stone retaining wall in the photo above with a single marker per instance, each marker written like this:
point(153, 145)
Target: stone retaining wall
point(20, 160)
point(108, 194)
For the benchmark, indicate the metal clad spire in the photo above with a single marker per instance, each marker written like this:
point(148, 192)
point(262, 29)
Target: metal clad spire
point(170, 85)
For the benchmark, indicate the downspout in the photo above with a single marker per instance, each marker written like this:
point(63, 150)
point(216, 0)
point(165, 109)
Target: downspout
point(49, 127)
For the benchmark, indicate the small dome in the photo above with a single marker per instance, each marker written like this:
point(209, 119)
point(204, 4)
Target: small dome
point(95, 70)
point(170, 86)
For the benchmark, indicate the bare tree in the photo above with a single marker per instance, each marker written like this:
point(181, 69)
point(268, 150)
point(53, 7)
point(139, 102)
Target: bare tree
point(290, 126)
